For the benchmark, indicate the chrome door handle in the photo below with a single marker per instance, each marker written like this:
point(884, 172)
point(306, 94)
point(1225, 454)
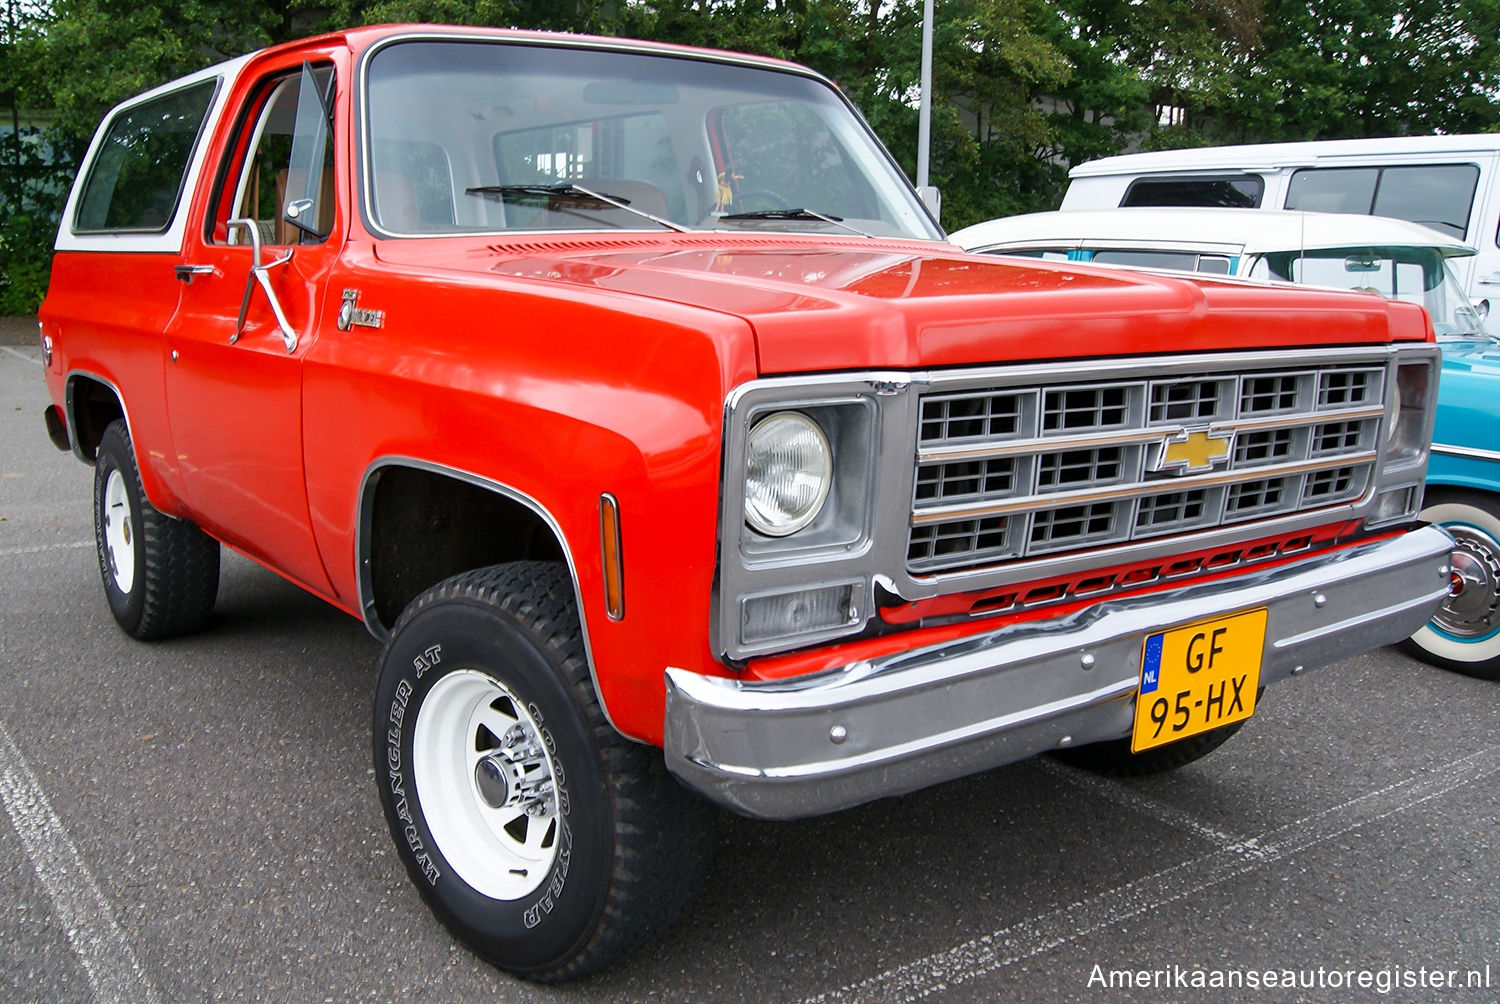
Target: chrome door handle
point(186, 272)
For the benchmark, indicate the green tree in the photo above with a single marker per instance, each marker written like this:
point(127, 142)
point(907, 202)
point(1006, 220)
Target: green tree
point(1022, 89)
point(29, 187)
point(1334, 69)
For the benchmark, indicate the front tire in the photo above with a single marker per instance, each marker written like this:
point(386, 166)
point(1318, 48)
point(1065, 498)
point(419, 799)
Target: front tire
point(1113, 758)
point(541, 838)
point(161, 575)
point(1464, 635)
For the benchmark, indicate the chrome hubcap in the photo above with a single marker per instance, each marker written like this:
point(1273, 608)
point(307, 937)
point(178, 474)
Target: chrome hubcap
point(516, 775)
point(1469, 610)
point(487, 784)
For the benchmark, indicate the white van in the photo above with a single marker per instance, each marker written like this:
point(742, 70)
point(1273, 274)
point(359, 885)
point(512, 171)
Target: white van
point(1450, 183)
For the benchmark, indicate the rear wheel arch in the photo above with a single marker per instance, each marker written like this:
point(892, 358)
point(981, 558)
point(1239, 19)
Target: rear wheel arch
point(91, 404)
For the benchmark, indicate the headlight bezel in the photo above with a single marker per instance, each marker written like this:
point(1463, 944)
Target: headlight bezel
point(842, 523)
point(834, 549)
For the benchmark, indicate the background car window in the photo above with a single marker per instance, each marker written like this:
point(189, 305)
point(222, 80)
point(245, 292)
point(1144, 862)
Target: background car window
point(1182, 261)
point(1235, 191)
point(1045, 254)
point(1435, 195)
point(1438, 196)
point(135, 181)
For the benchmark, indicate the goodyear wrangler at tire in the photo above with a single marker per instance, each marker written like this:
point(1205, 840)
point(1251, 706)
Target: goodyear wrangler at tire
point(161, 575)
point(542, 839)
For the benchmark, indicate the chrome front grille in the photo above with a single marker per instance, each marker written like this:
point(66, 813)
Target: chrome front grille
point(1008, 473)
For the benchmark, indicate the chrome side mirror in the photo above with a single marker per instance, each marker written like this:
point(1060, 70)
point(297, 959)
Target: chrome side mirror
point(258, 274)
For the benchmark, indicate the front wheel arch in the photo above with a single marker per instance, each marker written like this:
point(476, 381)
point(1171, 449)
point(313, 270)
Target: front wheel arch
point(421, 523)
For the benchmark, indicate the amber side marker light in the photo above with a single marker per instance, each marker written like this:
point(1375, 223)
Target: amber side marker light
point(614, 566)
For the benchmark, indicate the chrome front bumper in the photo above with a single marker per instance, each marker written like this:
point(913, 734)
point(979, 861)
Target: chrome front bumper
point(902, 722)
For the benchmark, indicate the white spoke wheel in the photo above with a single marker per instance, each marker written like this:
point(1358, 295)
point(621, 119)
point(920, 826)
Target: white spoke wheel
point(544, 840)
point(119, 537)
point(1464, 634)
point(160, 575)
point(487, 784)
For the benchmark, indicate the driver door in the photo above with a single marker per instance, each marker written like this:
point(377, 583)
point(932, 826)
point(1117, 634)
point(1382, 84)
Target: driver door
point(254, 272)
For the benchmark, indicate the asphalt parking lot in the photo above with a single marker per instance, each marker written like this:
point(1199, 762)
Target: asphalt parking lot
point(196, 820)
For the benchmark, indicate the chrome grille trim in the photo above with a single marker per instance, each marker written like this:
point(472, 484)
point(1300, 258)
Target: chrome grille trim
point(1112, 493)
point(1129, 437)
point(1092, 463)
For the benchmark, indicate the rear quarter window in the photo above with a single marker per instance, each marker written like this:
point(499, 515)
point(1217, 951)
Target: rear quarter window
point(135, 182)
point(1234, 191)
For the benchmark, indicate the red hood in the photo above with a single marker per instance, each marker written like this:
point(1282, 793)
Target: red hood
point(818, 304)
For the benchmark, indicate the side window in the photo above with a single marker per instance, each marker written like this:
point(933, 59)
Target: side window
point(1045, 254)
point(1235, 191)
point(1435, 195)
point(135, 183)
point(1182, 261)
point(1333, 189)
point(1439, 196)
point(264, 179)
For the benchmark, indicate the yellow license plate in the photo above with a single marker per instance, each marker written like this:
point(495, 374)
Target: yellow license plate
point(1197, 678)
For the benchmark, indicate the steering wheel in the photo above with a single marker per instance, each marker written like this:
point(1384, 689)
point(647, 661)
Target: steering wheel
point(748, 200)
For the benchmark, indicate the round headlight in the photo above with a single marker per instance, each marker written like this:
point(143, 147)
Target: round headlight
point(788, 467)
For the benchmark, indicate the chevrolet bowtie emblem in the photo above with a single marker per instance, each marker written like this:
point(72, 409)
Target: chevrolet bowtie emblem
point(1186, 452)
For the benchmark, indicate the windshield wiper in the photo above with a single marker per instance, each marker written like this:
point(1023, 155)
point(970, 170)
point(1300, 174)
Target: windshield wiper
point(574, 192)
point(794, 214)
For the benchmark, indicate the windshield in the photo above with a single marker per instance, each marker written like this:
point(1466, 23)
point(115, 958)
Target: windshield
point(1414, 274)
point(470, 136)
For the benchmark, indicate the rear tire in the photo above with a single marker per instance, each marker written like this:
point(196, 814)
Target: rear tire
point(543, 840)
point(161, 575)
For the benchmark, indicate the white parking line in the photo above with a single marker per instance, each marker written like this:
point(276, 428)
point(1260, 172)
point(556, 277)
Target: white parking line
point(1033, 936)
point(1162, 812)
point(20, 355)
point(11, 552)
point(114, 972)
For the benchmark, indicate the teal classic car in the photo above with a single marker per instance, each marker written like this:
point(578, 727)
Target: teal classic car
point(1383, 256)
point(1463, 495)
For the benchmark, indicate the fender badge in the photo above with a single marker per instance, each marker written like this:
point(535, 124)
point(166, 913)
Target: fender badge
point(350, 314)
point(1185, 452)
